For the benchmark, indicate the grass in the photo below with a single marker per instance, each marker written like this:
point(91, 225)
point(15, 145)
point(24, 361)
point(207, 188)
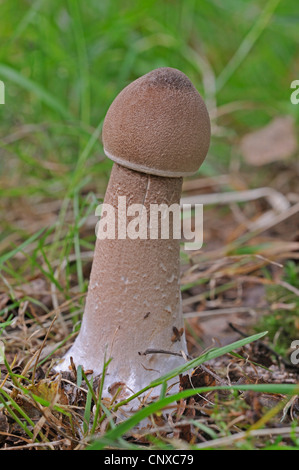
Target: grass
point(62, 64)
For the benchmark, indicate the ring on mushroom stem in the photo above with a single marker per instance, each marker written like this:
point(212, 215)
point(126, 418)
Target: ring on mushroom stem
point(157, 130)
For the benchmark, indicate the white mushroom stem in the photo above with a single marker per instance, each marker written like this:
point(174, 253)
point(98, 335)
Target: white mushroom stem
point(134, 302)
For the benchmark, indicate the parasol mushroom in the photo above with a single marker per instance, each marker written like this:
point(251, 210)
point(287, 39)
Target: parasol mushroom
point(157, 131)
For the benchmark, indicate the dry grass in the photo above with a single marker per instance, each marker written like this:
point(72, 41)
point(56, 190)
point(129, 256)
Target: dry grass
point(224, 294)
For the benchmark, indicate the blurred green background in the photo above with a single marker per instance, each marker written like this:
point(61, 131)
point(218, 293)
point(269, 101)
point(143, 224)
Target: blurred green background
point(63, 63)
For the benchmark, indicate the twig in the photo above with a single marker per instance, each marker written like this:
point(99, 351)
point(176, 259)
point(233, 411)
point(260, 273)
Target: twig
point(277, 200)
point(201, 366)
point(35, 444)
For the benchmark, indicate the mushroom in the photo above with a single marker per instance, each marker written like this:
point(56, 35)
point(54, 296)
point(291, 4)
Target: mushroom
point(157, 131)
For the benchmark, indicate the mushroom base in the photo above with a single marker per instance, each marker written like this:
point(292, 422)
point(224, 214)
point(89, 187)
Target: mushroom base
point(147, 368)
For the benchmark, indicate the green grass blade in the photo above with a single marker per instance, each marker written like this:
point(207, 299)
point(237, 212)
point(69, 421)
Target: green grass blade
point(23, 245)
point(83, 66)
point(26, 20)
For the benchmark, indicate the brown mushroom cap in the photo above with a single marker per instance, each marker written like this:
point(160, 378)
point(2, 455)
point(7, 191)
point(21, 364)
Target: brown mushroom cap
point(159, 125)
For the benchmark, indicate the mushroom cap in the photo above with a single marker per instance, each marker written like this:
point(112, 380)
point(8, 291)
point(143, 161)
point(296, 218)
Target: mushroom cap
point(158, 124)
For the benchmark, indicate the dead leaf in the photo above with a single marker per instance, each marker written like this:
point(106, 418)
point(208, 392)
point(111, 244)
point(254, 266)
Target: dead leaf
point(274, 142)
point(176, 334)
point(120, 389)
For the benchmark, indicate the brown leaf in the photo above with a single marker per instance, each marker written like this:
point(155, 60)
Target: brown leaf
point(274, 142)
point(4, 427)
point(199, 378)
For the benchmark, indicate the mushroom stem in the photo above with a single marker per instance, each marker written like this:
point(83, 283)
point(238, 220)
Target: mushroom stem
point(134, 301)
